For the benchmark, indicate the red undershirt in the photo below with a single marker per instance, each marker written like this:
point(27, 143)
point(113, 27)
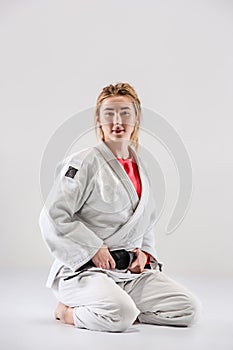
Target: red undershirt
point(131, 169)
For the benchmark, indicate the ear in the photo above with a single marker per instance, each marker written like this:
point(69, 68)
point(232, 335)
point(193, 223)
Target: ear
point(136, 125)
point(98, 122)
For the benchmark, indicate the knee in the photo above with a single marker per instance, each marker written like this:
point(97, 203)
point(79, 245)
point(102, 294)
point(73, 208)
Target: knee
point(124, 313)
point(194, 309)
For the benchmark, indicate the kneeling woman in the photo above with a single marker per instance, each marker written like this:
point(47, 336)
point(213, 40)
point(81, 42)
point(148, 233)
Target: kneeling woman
point(101, 207)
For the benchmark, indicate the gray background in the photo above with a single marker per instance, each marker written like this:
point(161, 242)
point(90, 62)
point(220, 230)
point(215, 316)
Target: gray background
point(56, 56)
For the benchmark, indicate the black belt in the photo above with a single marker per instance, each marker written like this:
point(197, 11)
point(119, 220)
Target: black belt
point(123, 259)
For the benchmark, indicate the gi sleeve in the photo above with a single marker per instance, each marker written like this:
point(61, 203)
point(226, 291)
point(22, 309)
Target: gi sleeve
point(148, 241)
point(148, 244)
point(68, 239)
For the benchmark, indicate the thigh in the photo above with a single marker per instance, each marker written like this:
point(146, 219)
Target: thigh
point(153, 290)
point(90, 288)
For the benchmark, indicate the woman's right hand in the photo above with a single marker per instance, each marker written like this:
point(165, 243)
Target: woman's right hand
point(103, 258)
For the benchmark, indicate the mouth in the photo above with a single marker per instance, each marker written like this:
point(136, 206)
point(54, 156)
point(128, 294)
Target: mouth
point(118, 131)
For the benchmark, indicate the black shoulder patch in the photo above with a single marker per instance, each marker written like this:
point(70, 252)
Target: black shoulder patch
point(71, 172)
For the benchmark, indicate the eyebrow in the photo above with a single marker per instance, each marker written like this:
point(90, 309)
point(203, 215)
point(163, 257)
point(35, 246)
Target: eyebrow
point(112, 109)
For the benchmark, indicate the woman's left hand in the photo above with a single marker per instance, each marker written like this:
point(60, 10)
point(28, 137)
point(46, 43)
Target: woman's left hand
point(139, 263)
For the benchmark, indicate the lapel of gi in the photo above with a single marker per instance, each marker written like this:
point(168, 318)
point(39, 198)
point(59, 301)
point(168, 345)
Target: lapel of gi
point(138, 205)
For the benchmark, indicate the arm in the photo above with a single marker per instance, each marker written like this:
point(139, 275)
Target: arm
point(67, 238)
point(147, 253)
point(148, 242)
point(148, 246)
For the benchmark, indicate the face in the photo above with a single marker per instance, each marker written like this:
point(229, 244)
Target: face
point(117, 118)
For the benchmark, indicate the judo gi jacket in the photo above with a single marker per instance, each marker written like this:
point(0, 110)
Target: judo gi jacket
point(93, 201)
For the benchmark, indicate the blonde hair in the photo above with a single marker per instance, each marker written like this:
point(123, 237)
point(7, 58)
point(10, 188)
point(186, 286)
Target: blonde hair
point(119, 89)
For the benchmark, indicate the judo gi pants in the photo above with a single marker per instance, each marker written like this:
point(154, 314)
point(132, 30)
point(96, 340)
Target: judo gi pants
point(101, 304)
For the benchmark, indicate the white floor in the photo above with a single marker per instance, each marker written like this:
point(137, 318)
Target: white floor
point(27, 322)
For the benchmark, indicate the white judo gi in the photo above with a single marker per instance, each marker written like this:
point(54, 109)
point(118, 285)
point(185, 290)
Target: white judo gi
point(92, 202)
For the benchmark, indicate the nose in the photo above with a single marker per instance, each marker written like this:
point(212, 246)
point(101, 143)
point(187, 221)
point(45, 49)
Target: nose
point(117, 118)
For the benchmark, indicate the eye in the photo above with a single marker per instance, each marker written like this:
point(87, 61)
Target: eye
point(125, 113)
point(109, 114)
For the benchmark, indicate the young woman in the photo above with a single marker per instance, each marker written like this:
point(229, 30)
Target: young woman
point(101, 205)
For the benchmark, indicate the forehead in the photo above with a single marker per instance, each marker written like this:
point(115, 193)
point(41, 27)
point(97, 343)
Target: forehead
point(117, 102)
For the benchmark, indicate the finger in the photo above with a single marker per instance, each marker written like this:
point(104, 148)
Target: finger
point(98, 264)
point(101, 263)
point(134, 264)
point(133, 270)
point(106, 265)
point(112, 263)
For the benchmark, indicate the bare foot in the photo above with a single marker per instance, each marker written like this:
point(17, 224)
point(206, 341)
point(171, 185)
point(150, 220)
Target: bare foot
point(64, 313)
point(59, 309)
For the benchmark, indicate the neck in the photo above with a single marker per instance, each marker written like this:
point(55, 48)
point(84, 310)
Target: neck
point(119, 149)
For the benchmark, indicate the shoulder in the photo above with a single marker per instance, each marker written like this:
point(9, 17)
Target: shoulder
point(80, 160)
